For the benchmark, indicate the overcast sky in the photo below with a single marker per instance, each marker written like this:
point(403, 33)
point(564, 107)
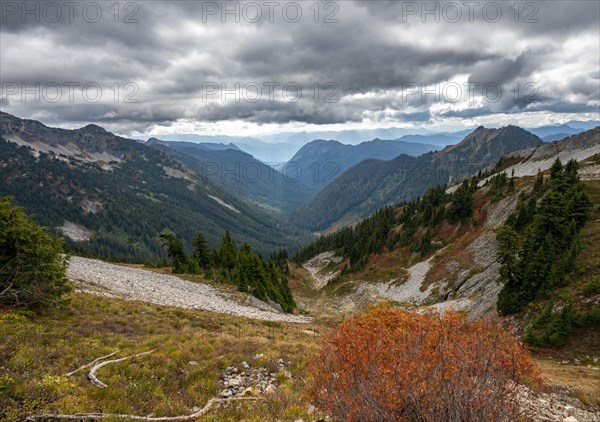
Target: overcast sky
point(151, 67)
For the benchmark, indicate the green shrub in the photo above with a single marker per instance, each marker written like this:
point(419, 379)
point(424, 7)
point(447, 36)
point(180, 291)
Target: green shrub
point(32, 264)
point(593, 287)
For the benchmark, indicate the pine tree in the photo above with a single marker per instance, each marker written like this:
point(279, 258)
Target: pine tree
point(228, 255)
point(182, 263)
point(539, 183)
point(557, 175)
point(538, 247)
point(202, 252)
point(245, 268)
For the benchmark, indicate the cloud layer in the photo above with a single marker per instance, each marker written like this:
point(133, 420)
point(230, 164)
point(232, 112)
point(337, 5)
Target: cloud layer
point(141, 67)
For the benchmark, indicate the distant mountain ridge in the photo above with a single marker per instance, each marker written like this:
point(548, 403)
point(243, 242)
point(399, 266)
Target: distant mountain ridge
point(238, 172)
point(320, 162)
point(261, 150)
point(115, 195)
point(372, 184)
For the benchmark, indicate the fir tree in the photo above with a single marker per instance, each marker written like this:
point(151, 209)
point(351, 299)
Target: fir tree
point(228, 255)
point(201, 251)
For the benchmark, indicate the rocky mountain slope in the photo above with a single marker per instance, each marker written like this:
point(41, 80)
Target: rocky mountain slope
point(463, 270)
point(113, 196)
point(372, 184)
point(109, 280)
point(527, 162)
point(238, 172)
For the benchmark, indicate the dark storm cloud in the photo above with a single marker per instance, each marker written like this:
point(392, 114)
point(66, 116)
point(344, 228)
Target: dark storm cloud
point(171, 51)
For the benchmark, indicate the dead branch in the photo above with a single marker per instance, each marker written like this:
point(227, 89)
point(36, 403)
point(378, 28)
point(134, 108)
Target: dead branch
point(92, 374)
point(95, 416)
point(95, 361)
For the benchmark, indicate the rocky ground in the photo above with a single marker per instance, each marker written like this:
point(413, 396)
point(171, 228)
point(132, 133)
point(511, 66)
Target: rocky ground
point(555, 406)
point(102, 278)
point(245, 381)
point(317, 265)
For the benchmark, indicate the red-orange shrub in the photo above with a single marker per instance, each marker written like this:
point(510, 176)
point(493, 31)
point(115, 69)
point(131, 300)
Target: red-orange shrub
point(396, 365)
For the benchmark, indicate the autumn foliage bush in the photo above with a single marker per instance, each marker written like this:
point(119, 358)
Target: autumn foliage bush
point(396, 365)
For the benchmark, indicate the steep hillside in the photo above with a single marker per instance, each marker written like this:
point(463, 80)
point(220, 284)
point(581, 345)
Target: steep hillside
point(112, 196)
point(527, 162)
point(373, 183)
point(442, 250)
point(238, 172)
point(320, 162)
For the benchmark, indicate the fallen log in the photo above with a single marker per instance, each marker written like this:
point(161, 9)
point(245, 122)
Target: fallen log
point(92, 374)
point(96, 416)
point(95, 361)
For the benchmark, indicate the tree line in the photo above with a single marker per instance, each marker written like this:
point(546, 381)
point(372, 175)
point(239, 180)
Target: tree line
point(538, 247)
point(374, 233)
point(265, 279)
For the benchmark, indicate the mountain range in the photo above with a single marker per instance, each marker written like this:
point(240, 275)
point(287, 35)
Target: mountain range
point(111, 196)
point(115, 195)
point(278, 148)
point(372, 184)
point(321, 162)
point(238, 172)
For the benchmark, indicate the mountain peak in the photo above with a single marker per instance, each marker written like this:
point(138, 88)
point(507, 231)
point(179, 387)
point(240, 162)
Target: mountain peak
point(93, 129)
point(479, 143)
point(154, 141)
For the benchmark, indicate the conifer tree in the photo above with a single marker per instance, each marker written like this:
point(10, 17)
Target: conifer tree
point(228, 255)
point(201, 251)
point(32, 266)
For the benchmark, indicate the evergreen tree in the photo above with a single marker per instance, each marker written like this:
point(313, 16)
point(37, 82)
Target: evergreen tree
point(539, 183)
point(228, 255)
point(557, 175)
point(538, 246)
point(202, 252)
point(32, 267)
point(180, 260)
point(461, 208)
point(246, 271)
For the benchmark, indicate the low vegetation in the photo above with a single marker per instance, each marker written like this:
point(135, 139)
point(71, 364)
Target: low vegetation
point(391, 364)
point(193, 349)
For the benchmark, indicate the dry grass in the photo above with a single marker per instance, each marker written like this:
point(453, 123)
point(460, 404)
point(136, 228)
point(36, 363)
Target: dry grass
point(37, 350)
point(385, 266)
point(583, 382)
